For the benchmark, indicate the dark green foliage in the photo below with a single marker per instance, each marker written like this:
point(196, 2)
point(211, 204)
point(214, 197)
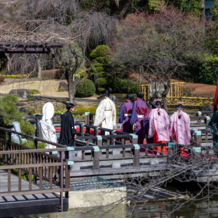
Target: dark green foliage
point(85, 88)
point(124, 85)
point(9, 113)
point(100, 69)
point(30, 144)
point(27, 127)
point(205, 70)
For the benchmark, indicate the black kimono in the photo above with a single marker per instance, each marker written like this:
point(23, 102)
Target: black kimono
point(67, 129)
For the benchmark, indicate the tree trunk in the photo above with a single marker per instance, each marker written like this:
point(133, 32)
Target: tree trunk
point(113, 7)
point(165, 93)
point(71, 86)
point(39, 65)
point(8, 63)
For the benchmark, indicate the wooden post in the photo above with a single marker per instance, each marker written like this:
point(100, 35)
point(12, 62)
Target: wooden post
point(99, 142)
point(134, 138)
point(87, 118)
point(171, 149)
point(136, 155)
point(9, 147)
point(82, 129)
point(197, 138)
point(96, 157)
point(196, 153)
point(96, 131)
point(35, 159)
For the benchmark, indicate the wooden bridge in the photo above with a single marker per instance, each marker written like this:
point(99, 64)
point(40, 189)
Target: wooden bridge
point(48, 173)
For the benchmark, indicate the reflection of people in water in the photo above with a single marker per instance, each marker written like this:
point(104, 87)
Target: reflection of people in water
point(105, 115)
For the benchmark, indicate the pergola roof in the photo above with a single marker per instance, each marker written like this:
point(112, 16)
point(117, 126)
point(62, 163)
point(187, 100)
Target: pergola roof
point(28, 48)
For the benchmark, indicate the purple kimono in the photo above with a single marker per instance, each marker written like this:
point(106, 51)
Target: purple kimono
point(125, 115)
point(140, 117)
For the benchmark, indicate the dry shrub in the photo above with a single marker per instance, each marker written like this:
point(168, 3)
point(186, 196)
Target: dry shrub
point(52, 74)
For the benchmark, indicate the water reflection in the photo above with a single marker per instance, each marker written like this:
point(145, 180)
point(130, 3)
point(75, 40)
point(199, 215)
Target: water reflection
point(149, 210)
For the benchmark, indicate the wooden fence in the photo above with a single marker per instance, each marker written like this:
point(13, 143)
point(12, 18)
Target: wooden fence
point(176, 94)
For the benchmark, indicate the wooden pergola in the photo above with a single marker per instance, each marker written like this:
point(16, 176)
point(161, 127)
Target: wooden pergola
point(28, 48)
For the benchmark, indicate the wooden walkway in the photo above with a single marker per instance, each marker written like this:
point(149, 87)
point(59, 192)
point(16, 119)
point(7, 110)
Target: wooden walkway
point(26, 204)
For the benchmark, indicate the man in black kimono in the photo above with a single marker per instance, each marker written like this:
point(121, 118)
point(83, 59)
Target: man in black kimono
point(68, 132)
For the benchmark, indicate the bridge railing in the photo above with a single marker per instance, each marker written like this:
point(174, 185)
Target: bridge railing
point(88, 118)
point(37, 164)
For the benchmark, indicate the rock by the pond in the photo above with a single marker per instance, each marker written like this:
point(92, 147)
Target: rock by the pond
point(20, 92)
point(24, 110)
point(63, 85)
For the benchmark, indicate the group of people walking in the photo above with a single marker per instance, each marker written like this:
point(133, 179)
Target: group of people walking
point(151, 123)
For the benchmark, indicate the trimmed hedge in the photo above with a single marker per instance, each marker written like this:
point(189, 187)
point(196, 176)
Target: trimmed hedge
point(85, 88)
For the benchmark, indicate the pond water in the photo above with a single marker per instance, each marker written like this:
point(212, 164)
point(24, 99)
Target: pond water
point(173, 209)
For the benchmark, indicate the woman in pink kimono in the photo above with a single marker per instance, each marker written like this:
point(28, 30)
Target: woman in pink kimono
point(159, 125)
point(180, 126)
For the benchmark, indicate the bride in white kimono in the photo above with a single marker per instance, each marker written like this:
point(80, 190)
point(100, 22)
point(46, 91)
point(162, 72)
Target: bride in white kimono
point(105, 115)
point(46, 128)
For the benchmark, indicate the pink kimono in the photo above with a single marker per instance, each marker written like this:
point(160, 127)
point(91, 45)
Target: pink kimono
point(180, 128)
point(159, 125)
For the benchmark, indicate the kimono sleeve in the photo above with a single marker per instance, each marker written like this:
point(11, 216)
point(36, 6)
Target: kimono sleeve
point(72, 126)
point(99, 114)
point(188, 128)
point(114, 113)
point(121, 117)
point(151, 130)
point(134, 117)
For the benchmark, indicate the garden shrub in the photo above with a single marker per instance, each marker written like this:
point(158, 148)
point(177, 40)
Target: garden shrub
point(100, 70)
point(27, 127)
point(3, 72)
point(85, 88)
point(9, 113)
point(204, 70)
point(124, 85)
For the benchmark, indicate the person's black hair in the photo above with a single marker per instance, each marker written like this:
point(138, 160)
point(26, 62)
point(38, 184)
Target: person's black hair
point(108, 91)
point(158, 103)
point(69, 105)
point(130, 96)
point(140, 94)
point(152, 103)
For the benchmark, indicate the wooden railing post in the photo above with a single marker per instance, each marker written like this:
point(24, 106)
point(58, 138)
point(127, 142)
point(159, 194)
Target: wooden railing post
point(196, 152)
point(136, 155)
point(62, 182)
point(37, 130)
point(9, 148)
point(96, 131)
point(171, 149)
point(199, 113)
point(134, 138)
point(96, 157)
point(197, 138)
point(35, 159)
point(87, 118)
